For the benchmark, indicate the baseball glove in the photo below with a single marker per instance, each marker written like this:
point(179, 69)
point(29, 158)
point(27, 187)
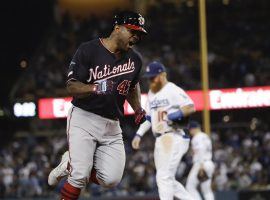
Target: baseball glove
point(202, 175)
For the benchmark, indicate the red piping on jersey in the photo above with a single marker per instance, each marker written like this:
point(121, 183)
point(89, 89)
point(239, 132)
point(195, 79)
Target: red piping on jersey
point(70, 167)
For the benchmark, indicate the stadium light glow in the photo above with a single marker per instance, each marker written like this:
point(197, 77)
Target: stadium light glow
point(26, 109)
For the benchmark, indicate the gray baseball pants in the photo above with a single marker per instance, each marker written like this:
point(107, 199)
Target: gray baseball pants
point(94, 141)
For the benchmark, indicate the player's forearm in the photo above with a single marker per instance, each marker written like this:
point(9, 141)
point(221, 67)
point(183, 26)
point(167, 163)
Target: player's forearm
point(134, 97)
point(183, 112)
point(144, 127)
point(79, 89)
point(188, 110)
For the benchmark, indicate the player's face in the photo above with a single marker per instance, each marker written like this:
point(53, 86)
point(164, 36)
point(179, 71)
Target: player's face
point(191, 131)
point(127, 38)
point(155, 83)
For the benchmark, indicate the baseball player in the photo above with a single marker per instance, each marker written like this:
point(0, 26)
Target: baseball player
point(203, 166)
point(168, 108)
point(102, 75)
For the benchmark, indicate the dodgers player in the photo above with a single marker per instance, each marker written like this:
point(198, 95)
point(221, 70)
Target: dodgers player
point(202, 163)
point(168, 108)
point(102, 75)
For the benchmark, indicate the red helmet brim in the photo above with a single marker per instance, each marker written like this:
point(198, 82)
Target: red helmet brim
point(136, 28)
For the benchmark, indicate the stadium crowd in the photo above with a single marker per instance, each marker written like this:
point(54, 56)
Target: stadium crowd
point(240, 164)
point(236, 57)
point(242, 156)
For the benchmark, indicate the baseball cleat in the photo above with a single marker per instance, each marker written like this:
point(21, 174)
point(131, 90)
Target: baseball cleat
point(60, 171)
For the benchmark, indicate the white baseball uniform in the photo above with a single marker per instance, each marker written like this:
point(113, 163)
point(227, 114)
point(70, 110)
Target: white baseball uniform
point(202, 157)
point(171, 142)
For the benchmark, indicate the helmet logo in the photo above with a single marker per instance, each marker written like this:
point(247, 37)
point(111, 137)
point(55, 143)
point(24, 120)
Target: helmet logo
point(147, 69)
point(141, 20)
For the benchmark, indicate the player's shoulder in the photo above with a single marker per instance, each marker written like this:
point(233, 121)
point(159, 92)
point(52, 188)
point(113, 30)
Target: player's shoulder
point(173, 87)
point(150, 94)
point(203, 135)
point(89, 45)
point(196, 139)
point(136, 54)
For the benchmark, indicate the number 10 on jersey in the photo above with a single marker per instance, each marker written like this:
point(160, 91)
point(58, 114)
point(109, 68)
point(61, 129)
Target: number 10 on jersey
point(162, 115)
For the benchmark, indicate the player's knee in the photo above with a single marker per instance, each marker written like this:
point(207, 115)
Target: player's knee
point(109, 182)
point(164, 178)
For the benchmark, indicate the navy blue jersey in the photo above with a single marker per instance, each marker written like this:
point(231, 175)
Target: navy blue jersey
point(92, 62)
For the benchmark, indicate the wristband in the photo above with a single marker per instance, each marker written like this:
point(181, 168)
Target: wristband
point(178, 115)
point(148, 118)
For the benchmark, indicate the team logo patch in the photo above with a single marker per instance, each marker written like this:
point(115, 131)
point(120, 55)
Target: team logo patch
point(141, 20)
point(71, 66)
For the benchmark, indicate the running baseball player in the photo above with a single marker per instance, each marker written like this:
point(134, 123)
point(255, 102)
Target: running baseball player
point(168, 108)
point(203, 167)
point(102, 75)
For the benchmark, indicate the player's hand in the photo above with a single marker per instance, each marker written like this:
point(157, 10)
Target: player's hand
point(140, 116)
point(104, 87)
point(136, 142)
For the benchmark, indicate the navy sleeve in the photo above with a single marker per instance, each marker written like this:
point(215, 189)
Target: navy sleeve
point(78, 68)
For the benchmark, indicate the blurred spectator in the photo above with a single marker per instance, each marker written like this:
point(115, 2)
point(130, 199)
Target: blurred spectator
point(240, 164)
point(238, 52)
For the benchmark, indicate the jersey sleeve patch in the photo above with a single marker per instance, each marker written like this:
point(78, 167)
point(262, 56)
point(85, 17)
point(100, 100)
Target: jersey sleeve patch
point(78, 67)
